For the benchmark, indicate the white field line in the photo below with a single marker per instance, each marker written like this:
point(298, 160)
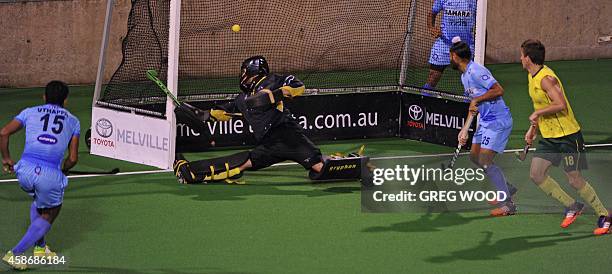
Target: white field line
point(292, 163)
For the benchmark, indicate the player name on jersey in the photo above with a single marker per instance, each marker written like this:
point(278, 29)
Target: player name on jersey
point(461, 13)
point(51, 110)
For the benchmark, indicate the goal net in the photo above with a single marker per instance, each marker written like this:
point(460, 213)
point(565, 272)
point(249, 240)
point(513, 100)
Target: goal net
point(330, 45)
point(333, 46)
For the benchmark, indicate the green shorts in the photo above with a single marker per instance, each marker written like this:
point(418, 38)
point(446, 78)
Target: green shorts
point(567, 150)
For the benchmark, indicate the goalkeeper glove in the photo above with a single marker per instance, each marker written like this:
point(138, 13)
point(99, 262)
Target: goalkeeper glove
point(219, 115)
point(291, 91)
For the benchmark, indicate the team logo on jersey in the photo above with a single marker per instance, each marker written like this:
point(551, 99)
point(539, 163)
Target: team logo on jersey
point(485, 77)
point(470, 92)
point(104, 128)
point(415, 112)
point(47, 139)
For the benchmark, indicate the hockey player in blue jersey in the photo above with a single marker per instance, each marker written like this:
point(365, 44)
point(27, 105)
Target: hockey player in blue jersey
point(458, 19)
point(494, 125)
point(50, 130)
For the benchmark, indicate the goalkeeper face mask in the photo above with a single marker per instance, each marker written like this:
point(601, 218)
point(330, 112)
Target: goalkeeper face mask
point(246, 82)
point(252, 69)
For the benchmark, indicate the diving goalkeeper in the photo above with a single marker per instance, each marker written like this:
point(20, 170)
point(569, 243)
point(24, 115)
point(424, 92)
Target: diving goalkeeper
point(278, 135)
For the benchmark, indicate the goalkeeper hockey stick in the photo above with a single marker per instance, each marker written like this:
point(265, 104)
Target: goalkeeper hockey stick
point(152, 75)
point(82, 172)
point(452, 161)
point(185, 107)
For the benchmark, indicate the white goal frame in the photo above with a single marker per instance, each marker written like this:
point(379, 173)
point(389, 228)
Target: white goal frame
point(156, 136)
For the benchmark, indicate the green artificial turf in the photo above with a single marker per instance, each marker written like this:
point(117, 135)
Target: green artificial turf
point(279, 222)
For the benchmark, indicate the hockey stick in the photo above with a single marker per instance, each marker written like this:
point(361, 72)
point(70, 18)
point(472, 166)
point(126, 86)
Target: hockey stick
point(522, 155)
point(188, 109)
point(152, 75)
point(82, 172)
point(452, 161)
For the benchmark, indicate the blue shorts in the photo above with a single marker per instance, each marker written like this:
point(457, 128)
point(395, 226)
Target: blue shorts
point(44, 183)
point(493, 136)
point(440, 53)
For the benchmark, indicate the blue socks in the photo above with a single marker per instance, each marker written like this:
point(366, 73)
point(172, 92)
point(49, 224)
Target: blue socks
point(37, 230)
point(498, 179)
point(33, 215)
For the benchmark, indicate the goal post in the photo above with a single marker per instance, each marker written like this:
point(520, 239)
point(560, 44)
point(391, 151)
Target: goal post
point(481, 32)
point(173, 67)
point(132, 134)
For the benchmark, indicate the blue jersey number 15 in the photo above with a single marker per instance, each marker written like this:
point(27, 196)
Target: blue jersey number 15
point(58, 123)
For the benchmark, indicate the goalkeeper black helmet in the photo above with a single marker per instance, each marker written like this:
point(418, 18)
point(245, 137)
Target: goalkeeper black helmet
point(255, 66)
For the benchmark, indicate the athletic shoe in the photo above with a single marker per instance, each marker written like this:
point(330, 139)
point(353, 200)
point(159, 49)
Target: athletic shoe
point(571, 213)
point(9, 259)
point(603, 225)
point(511, 188)
point(45, 251)
point(506, 209)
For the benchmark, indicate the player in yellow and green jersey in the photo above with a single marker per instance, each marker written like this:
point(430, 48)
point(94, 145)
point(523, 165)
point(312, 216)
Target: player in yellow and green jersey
point(561, 141)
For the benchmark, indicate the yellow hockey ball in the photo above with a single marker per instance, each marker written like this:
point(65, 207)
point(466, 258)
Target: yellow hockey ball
point(236, 28)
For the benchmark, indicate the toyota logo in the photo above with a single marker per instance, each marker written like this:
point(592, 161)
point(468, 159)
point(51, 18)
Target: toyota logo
point(104, 128)
point(415, 112)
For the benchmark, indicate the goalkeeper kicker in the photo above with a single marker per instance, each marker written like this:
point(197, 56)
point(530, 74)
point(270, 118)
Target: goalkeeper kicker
point(278, 135)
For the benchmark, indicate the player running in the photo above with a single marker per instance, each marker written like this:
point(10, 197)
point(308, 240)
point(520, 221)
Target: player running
point(495, 122)
point(50, 130)
point(458, 19)
point(561, 141)
point(277, 133)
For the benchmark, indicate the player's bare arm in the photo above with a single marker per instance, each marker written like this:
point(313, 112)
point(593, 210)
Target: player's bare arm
point(8, 130)
point(463, 133)
point(551, 86)
point(493, 93)
point(431, 25)
point(530, 135)
point(73, 154)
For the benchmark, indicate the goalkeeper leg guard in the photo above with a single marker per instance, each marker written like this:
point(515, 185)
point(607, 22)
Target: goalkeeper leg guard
point(217, 169)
